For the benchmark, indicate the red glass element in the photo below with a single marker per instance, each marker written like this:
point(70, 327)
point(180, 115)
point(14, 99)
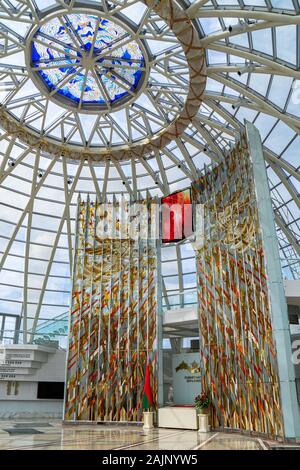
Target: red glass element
point(177, 216)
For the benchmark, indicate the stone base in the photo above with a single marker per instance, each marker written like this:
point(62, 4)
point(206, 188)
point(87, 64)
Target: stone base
point(177, 417)
point(203, 422)
point(148, 420)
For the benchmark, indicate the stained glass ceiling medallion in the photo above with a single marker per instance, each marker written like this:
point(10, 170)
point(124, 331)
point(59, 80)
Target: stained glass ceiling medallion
point(104, 82)
point(87, 61)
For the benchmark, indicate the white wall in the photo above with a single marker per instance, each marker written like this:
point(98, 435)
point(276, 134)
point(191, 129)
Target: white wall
point(17, 391)
point(10, 409)
point(18, 398)
point(54, 369)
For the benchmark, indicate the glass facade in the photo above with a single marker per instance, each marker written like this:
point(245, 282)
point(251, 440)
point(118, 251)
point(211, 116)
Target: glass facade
point(252, 59)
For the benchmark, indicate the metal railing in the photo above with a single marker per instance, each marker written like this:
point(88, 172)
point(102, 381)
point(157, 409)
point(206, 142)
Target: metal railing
point(56, 338)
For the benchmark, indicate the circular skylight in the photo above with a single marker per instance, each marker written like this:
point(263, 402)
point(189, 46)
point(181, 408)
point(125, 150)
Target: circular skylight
point(102, 85)
point(87, 61)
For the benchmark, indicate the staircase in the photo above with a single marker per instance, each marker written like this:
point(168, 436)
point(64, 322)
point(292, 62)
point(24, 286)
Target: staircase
point(21, 361)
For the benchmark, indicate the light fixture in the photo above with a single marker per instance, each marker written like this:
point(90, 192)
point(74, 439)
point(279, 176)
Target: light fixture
point(246, 69)
point(240, 27)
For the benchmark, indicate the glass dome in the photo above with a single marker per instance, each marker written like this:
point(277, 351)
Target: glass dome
point(252, 57)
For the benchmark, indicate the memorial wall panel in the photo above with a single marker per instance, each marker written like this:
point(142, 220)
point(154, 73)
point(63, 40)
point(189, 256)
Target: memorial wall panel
point(238, 353)
point(113, 316)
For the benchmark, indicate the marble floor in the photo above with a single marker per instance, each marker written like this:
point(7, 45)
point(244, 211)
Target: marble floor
point(53, 435)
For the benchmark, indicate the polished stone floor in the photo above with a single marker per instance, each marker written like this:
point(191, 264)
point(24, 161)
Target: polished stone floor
point(53, 435)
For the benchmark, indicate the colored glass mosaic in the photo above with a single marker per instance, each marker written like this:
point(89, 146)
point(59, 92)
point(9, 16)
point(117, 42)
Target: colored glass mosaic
point(238, 354)
point(113, 316)
point(63, 46)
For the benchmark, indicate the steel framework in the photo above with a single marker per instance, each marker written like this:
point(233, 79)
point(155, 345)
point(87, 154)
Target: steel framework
point(252, 64)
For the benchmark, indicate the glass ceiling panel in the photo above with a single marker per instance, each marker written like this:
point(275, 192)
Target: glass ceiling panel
point(253, 72)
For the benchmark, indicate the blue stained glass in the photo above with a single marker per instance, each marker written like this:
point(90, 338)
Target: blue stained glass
point(59, 50)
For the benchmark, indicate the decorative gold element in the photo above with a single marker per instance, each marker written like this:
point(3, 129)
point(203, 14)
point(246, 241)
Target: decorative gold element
point(194, 368)
point(236, 225)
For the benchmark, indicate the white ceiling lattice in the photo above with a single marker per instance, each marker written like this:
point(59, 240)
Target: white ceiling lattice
point(253, 72)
